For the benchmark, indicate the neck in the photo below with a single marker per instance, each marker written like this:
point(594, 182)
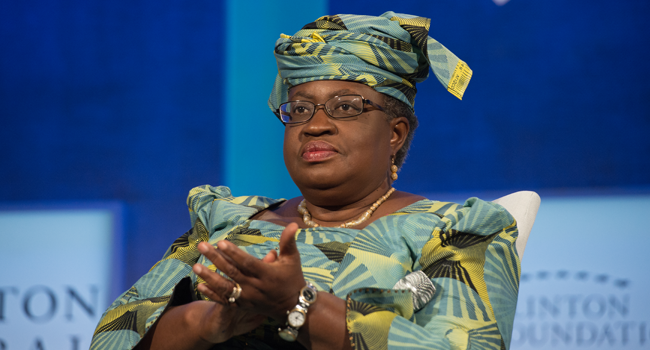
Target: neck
point(334, 215)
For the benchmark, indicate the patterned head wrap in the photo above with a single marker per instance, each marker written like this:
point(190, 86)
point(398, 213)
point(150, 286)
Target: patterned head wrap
point(390, 53)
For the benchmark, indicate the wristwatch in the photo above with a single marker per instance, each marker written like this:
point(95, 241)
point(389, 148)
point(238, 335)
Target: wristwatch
point(297, 316)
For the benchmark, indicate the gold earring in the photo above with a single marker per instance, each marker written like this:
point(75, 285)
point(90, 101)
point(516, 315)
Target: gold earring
point(393, 169)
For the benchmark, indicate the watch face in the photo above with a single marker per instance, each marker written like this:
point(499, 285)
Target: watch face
point(309, 294)
point(296, 318)
point(288, 334)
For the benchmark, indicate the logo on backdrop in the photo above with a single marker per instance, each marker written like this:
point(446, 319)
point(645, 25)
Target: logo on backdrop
point(568, 310)
point(41, 305)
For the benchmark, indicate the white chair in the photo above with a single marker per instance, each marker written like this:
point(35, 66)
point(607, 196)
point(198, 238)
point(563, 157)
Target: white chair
point(523, 205)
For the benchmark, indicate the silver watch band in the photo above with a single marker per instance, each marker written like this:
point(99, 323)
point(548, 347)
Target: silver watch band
point(307, 296)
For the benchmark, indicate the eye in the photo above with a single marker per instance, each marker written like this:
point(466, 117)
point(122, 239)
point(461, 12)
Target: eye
point(298, 109)
point(347, 107)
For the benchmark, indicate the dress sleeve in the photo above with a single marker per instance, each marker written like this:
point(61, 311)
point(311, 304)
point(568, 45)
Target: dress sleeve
point(472, 262)
point(167, 284)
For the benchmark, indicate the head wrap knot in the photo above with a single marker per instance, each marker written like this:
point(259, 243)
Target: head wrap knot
point(390, 53)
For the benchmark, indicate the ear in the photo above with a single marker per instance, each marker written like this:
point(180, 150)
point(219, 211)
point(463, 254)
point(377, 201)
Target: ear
point(399, 130)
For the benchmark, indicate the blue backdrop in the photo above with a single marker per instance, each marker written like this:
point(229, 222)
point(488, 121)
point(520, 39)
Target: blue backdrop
point(137, 102)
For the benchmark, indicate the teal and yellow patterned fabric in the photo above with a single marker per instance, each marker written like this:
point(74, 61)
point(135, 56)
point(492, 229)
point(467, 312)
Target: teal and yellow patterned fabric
point(468, 252)
point(390, 53)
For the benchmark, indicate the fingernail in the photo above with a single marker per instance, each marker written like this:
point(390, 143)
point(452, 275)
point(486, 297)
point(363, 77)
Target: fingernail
point(202, 248)
point(197, 268)
point(222, 245)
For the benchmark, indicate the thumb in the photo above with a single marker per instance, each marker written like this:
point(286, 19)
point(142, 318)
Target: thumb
point(288, 245)
point(270, 257)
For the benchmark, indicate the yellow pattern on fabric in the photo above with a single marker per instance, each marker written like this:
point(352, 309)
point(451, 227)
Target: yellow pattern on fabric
point(395, 49)
point(367, 326)
point(459, 79)
point(184, 248)
point(246, 240)
point(407, 83)
point(364, 51)
point(416, 22)
point(472, 258)
point(330, 22)
point(513, 265)
point(317, 38)
point(476, 274)
point(132, 316)
point(319, 274)
point(458, 338)
point(194, 191)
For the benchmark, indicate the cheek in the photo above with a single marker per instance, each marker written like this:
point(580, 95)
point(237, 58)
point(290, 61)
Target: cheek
point(372, 144)
point(285, 145)
point(290, 145)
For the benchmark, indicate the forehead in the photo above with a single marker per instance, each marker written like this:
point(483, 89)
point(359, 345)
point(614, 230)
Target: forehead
point(326, 89)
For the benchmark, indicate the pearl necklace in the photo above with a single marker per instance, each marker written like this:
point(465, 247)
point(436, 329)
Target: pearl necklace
point(306, 216)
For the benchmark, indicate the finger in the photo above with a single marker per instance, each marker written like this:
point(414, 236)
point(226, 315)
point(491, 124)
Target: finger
point(270, 257)
point(211, 294)
point(222, 261)
point(229, 267)
point(210, 251)
point(240, 264)
point(220, 287)
point(288, 245)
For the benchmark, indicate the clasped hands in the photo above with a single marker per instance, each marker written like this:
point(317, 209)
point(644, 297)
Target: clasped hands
point(269, 287)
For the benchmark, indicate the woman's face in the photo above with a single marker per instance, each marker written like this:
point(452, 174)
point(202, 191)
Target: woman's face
point(335, 160)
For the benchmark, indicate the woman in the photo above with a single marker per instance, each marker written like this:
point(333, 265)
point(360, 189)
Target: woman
point(352, 263)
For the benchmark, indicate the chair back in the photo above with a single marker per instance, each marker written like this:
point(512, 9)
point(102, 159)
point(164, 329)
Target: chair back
point(523, 205)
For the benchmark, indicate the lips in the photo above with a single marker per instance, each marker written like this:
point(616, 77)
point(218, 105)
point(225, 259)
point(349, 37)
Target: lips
point(316, 151)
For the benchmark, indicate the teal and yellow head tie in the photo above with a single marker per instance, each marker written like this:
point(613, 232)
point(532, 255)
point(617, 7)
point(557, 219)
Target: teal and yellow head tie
point(390, 53)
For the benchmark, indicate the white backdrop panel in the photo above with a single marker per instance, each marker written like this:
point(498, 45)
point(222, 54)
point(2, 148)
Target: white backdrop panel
point(584, 276)
point(56, 276)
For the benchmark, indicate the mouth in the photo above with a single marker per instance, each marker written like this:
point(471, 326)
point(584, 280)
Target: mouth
point(317, 151)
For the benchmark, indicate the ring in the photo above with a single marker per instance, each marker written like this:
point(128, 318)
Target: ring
point(236, 292)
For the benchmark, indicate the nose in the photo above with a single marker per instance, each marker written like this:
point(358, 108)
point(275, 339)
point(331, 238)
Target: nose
point(320, 123)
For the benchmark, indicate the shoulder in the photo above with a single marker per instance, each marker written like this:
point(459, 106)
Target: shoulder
point(205, 199)
point(482, 217)
point(202, 195)
point(473, 216)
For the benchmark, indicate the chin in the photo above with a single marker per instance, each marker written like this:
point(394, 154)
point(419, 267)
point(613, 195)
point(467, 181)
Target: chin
point(317, 178)
point(318, 182)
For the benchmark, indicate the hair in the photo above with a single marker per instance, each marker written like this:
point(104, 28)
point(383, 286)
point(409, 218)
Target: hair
point(395, 108)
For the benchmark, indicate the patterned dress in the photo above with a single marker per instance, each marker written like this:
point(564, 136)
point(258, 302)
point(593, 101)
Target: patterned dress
point(468, 252)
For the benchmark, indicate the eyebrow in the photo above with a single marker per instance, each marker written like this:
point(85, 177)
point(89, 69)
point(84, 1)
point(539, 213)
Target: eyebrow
point(332, 94)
